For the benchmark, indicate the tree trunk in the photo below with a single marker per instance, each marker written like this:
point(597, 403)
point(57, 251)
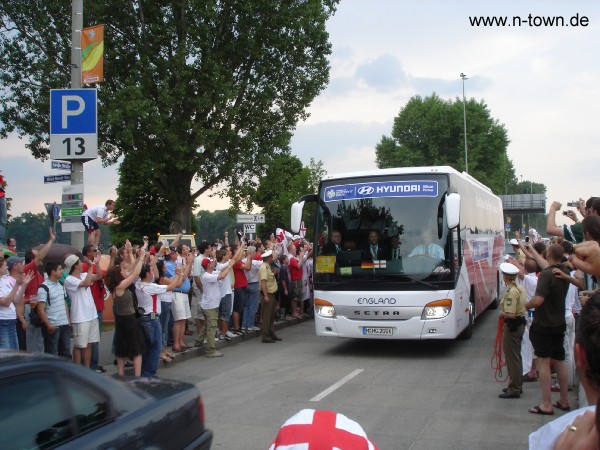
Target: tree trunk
point(181, 203)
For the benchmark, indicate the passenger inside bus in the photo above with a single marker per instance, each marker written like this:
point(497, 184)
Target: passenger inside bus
point(427, 247)
point(334, 246)
point(374, 249)
point(395, 254)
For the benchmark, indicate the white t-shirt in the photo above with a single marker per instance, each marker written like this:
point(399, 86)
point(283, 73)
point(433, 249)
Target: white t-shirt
point(225, 283)
point(211, 295)
point(252, 274)
point(546, 436)
point(529, 282)
point(7, 312)
point(83, 308)
point(571, 297)
point(145, 292)
point(96, 212)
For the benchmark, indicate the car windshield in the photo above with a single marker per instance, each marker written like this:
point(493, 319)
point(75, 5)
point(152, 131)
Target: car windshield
point(390, 228)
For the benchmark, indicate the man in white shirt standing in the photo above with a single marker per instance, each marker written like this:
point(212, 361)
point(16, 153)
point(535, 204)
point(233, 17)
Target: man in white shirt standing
point(95, 215)
point(211, 299)
point(84, 316)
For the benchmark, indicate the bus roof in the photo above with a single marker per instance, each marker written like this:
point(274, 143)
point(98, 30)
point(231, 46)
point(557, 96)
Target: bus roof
point(407, 170)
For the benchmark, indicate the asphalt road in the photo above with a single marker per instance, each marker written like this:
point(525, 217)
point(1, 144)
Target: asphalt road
point(406, 395)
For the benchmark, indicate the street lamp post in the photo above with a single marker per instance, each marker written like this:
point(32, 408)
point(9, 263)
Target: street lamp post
point(464, 77)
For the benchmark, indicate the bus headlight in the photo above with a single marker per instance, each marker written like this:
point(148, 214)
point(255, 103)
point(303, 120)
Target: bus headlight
point(323, 308)
point(437, 309)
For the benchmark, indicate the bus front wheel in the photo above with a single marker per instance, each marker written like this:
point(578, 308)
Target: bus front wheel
point(468, 332)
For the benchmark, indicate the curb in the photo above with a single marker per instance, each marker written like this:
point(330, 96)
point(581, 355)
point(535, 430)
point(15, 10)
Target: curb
point(201, 351)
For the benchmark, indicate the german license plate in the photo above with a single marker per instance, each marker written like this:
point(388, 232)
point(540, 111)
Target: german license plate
point(377, 331)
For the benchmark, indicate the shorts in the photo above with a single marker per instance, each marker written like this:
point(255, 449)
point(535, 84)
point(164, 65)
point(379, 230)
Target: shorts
point(180, 306)
point(85, 333)
point(89, 224)
point(225, 307)
point(239, 297)
point(548, 342)
point(296, 293)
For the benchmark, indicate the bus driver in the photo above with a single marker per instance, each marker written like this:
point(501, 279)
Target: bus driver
point(427, 247)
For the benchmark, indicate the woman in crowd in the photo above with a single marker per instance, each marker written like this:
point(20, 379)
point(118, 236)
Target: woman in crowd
point(129, 338)
point(166, 301)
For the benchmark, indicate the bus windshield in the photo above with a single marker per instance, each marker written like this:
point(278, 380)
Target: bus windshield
point(390, 228)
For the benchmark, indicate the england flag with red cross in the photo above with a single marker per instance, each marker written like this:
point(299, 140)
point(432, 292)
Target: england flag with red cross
point(321, 430)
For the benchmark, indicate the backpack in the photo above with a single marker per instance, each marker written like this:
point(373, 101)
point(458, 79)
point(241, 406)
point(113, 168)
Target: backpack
point(34, 317)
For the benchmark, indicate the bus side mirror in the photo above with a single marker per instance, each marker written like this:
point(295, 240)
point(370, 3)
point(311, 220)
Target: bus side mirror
point(296, 216)
point(452, 210)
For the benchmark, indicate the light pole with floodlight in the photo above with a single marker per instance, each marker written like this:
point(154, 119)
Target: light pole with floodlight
point(464, 77)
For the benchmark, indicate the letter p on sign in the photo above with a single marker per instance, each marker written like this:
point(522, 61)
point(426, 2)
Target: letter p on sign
point(66, 112)
point(73, 124)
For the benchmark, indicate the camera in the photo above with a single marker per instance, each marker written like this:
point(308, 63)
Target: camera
point(574, 204)
point(526, 238)
point(565, 213)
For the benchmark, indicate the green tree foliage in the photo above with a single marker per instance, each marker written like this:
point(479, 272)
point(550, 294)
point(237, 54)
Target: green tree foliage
point(212, 225)
point(201, 90)
point(29, 230)
point(141, 208)
point(285, 181)
point(430, 131)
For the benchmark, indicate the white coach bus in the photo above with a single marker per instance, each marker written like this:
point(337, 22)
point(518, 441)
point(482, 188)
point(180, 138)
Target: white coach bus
point(405, 253)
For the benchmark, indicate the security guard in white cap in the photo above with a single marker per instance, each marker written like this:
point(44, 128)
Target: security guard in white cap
point(512, 308)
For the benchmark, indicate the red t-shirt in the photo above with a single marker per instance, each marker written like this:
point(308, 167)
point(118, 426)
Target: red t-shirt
point(97, 288)
point(295, 270)
point(34, 284)
point(239, 275)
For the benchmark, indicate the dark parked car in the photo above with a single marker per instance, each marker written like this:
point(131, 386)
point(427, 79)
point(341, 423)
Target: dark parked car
point(47, 402)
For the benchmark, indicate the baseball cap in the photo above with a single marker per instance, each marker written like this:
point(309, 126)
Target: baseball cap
point(70, 261)
point(514, 242)
point(266, 254)
point(205, 262)
point(12, 261)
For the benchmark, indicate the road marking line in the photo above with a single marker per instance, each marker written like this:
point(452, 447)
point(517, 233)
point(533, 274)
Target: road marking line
point(335, 386)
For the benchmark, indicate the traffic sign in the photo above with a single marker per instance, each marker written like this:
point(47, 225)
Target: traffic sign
point(249, 228)
point(55, 178)
point(250, 218)
point(72, 208)
point(61, 165)
point(73, 124)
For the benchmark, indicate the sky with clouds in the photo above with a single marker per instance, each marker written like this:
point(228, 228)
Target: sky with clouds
point(541, 82)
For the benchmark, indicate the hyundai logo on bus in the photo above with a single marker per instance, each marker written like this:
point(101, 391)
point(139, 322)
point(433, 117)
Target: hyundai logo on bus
point(419, 188)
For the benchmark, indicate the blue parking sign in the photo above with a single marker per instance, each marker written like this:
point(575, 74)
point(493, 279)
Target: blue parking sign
point(73, 124)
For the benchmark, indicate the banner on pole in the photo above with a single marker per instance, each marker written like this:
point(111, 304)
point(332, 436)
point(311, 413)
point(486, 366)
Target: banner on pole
point(92, 54)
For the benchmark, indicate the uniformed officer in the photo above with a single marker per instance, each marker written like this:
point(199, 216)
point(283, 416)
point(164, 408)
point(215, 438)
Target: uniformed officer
point(512, 308)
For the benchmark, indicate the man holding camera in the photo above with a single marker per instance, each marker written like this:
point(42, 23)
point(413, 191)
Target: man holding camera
point(574, 232)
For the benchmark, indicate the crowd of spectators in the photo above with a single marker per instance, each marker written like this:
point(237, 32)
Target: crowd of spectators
point(559, 277)
point(161, 292)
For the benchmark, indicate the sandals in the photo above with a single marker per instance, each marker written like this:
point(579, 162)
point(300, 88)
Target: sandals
point(165, 358)
point(561, 407)
point(537, 410)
